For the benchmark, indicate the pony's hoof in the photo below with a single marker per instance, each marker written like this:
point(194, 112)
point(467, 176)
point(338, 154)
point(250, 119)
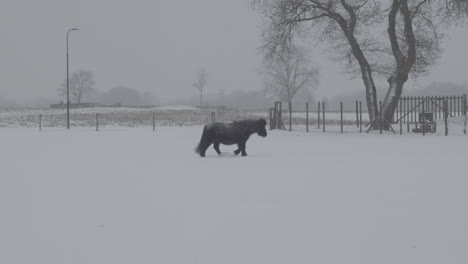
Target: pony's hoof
point(244, 154)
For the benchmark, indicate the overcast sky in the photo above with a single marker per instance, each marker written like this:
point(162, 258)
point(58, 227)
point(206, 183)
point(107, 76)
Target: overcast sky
point(157, 46)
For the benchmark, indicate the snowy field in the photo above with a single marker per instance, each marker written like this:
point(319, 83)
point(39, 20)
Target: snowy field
point(131, 195)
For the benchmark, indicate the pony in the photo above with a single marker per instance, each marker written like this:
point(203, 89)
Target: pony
point(237, 132)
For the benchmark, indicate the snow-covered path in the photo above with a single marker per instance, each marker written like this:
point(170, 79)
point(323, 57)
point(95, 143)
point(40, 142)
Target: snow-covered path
point(137, 196)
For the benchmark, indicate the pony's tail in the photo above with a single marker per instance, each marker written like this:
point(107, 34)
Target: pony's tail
point(203, 140)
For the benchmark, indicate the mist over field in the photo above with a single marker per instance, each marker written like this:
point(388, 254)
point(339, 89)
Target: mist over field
point(130, 44)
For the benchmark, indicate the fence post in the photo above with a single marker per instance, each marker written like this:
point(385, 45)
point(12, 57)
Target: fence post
point(270, 115)
point(323, 112)
point(290, 116)
point(360, 116)
point(446, 116)
point(97, 122)
point(357, 116)
point(464, 112)
point(466, 121)
point(465, 106)
point(280, 116)
point(272, 119)
point(381, 117)
point(424, 118)
point(213, 117)
point(154, 121)
point(318, 119)
point(307, 117)
point(40, 122)
point(401, 119)
point(341, 111)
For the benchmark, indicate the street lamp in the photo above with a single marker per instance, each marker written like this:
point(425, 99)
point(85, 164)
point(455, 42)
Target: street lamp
point(68, 89)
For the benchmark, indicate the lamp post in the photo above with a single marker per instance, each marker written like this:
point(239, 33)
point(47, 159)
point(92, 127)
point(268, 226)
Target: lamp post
point(68, 89)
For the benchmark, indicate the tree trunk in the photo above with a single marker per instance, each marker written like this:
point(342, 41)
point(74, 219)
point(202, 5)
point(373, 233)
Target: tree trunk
point(366, 71)
point(371, 96)
point(391, 100)
point(404, 63)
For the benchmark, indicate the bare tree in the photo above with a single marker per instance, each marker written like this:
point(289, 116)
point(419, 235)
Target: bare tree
point(81, 85)
point(289, 75)
point(393, 39)
point(200, 83)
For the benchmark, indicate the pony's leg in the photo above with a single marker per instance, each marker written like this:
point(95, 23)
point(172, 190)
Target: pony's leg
point(216, 147)
point(242, 147)
point(204, 148)
point(238, 150)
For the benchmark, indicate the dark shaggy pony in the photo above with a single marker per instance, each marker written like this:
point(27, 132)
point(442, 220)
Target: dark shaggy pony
point(237, 132)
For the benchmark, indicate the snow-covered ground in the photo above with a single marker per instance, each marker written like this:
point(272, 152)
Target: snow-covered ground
point(135, 196)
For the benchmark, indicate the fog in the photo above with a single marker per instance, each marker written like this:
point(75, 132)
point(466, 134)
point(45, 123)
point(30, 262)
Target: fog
point(158, 47)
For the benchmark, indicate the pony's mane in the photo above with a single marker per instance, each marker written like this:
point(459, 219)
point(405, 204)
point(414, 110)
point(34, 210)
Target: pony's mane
point(245, 121)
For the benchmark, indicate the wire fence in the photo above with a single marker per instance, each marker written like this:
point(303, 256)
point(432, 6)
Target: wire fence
point(314, 117)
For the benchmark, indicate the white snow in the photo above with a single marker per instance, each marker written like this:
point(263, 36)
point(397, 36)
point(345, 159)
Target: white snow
point(136, 196)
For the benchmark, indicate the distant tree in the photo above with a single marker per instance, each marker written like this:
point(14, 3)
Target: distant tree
point(200, 83)
point(81, 85)
point(289, 75)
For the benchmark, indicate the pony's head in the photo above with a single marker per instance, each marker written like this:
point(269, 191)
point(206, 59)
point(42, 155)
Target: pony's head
point(261, 130)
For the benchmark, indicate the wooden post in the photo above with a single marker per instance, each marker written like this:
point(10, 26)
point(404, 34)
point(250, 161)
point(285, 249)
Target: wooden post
point(452, 107)
point(411, 107)
point(307, 117)
point(381, 117)
point(318, 119)
point(466, 121)
point(213, 117)
point(360, 117)
point(341, 111)
point(404, 107)
point(323, 112)
point(40, 122)
point(424, 118)
point(451, 103)
point(464, 112)
point(270, 115)
point(357, 116)
point(97, 122)
point(401, 119)
point(465, 105)
point(446, 116)
point(290, 116)
point(273, 119)
point(280, 116)
point(154, 121)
